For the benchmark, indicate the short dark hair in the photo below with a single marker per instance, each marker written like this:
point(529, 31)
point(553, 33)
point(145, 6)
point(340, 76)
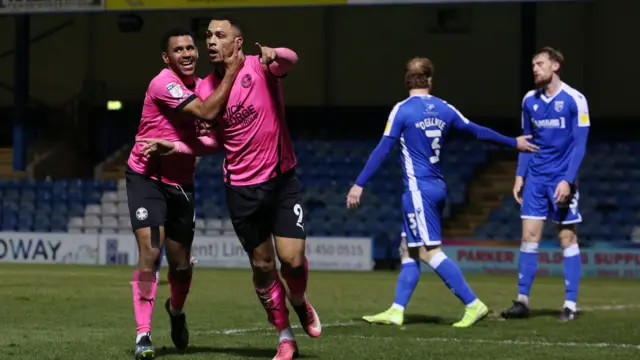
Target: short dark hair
point(419, 71)
point(173, 32)
point(233, 20)
point(553, 53)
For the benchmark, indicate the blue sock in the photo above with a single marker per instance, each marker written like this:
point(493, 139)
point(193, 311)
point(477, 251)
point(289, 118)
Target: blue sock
point(527, 267)
point(407, 281)
point(450, 273)
point(572, 270)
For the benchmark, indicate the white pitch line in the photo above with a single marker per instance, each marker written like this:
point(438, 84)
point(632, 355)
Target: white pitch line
point(610, 307)
point(264, 329)
point(499, 342)
point(362, 323)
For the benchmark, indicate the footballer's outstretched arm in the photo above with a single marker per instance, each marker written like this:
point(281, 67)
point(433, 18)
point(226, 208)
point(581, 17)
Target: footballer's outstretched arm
point(284, 61)
point(460, 122)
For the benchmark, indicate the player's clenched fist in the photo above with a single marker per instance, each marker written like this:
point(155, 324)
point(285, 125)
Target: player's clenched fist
point(353, 197)
point(524, 145)
point(517, 189)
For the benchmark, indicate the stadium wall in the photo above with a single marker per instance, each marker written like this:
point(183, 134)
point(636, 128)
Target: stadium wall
point(599, 259)
point(355, 55)
point(324, 253)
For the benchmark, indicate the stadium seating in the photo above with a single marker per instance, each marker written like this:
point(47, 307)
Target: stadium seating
point(608, 203)
point(43, 206)
point(326, 170)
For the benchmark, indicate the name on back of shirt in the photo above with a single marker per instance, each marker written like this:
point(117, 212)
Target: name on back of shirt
point(431, 122)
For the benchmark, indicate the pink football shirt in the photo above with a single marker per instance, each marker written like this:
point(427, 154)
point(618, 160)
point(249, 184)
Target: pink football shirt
point(253, 130)
point(162, 119)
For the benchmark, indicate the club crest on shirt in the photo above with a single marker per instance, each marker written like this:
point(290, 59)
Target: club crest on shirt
point(535, 107)
point(175, 90)
point(558, 106)
point(246, 81)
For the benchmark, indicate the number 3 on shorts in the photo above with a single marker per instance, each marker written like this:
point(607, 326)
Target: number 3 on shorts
point(412, 223)
point(297, 209)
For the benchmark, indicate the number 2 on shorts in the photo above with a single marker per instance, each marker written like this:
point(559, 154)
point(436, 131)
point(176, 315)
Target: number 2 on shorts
point(297, 209)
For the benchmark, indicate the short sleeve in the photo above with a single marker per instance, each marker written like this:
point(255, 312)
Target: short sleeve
point(170, 92)
point(395, 123)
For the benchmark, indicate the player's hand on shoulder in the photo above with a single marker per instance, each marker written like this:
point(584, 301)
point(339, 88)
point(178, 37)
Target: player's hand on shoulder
point(353, 197)
point(266, 54)
point(524, 145)
point(517, 189)
point(157, 147)
point(563, 192)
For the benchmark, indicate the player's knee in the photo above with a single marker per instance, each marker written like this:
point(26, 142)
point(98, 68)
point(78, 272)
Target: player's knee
point(292, 261)
point(149, 259)
point(427, 253)
point(181, 274)
point(532, 231)
point(263, 264)
point(567, 235)
point(264, 271)
point(149, 245)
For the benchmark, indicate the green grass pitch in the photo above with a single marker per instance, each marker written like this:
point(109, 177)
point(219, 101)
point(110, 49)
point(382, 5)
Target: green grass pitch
point(67, 312)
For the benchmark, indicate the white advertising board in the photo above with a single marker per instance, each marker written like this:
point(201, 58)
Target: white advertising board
point(48, 248)
point(323, 253)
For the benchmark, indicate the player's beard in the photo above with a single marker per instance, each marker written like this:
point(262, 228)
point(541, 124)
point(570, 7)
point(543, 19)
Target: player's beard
point(543, 81)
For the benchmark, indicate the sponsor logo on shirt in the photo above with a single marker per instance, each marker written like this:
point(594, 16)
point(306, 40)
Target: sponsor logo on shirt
point(559, 123)
point(240, 114)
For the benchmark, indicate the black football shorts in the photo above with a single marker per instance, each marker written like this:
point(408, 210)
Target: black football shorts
point(154, 203)
point(270, 208)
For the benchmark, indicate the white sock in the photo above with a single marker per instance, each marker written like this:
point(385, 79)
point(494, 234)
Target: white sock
point(571, 305)
point(141, 335)
point(174, 312)
point(397, 307)
point(286, 334)
point(523, 299)
point(473, 303)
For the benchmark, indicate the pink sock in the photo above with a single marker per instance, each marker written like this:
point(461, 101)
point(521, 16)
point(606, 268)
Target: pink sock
point(274, 300)
point(297, 282)
point(144, 295)
point(179, 290)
